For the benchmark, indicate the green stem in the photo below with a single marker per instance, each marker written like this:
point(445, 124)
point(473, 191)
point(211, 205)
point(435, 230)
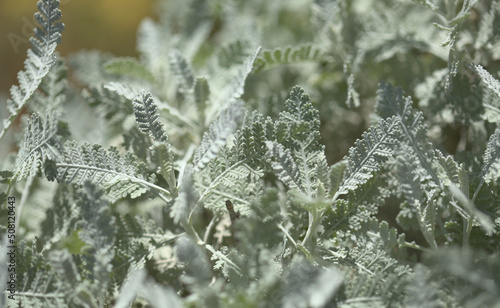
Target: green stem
point(477, 190)
point(414, 246)
point(287, 235)
point(467, 231)
point(468, 222)
point(314, 219)
point(208, 230)
point(188, 227)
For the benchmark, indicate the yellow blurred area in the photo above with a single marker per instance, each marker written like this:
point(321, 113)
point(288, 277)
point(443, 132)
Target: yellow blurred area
point(108, 25)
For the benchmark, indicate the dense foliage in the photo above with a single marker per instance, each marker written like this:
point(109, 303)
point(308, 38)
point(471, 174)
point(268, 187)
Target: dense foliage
point(260, 154)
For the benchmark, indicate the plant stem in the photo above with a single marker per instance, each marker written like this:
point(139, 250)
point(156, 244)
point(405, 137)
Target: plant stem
point(188, 227)
point(467, 231)
point(287, 235)
point(314, 219)
point(414, 246)
point(208, 230)
point(477, 190)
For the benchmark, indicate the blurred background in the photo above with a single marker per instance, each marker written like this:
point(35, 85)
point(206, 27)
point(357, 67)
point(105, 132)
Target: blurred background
point(107, 25)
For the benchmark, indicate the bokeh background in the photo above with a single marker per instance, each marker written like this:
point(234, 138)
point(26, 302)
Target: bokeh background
point(108, 25)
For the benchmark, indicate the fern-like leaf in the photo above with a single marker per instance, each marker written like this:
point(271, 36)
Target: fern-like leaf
point(297, 130)
point(41, 141)
point(128, 91)
point(367, 154)
point(351, 69)
point(69, 276)
point(182, 70)
point(491, 102)
point(491, 166)
point(37, 283)
point(288, 55)
point(60, 219)
point(250, 139)
point(120, 175)
point(39, 59)
point(216, 136)
point(233, 92)
point(284, 165)
point(298, 125)
point(147, 117)
point(131, 92)
point(236, 171)
point(98, 231)
point(130, 67)
point(391, 102)
point(162, 156)
point(186, 199)
point(322, 170)
point(137, 239)
point(234, 53)
point(336, 174)
point(409, 182)
point(113, 106)
point(453, 172)
point(490, 81)
point(54, 85)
